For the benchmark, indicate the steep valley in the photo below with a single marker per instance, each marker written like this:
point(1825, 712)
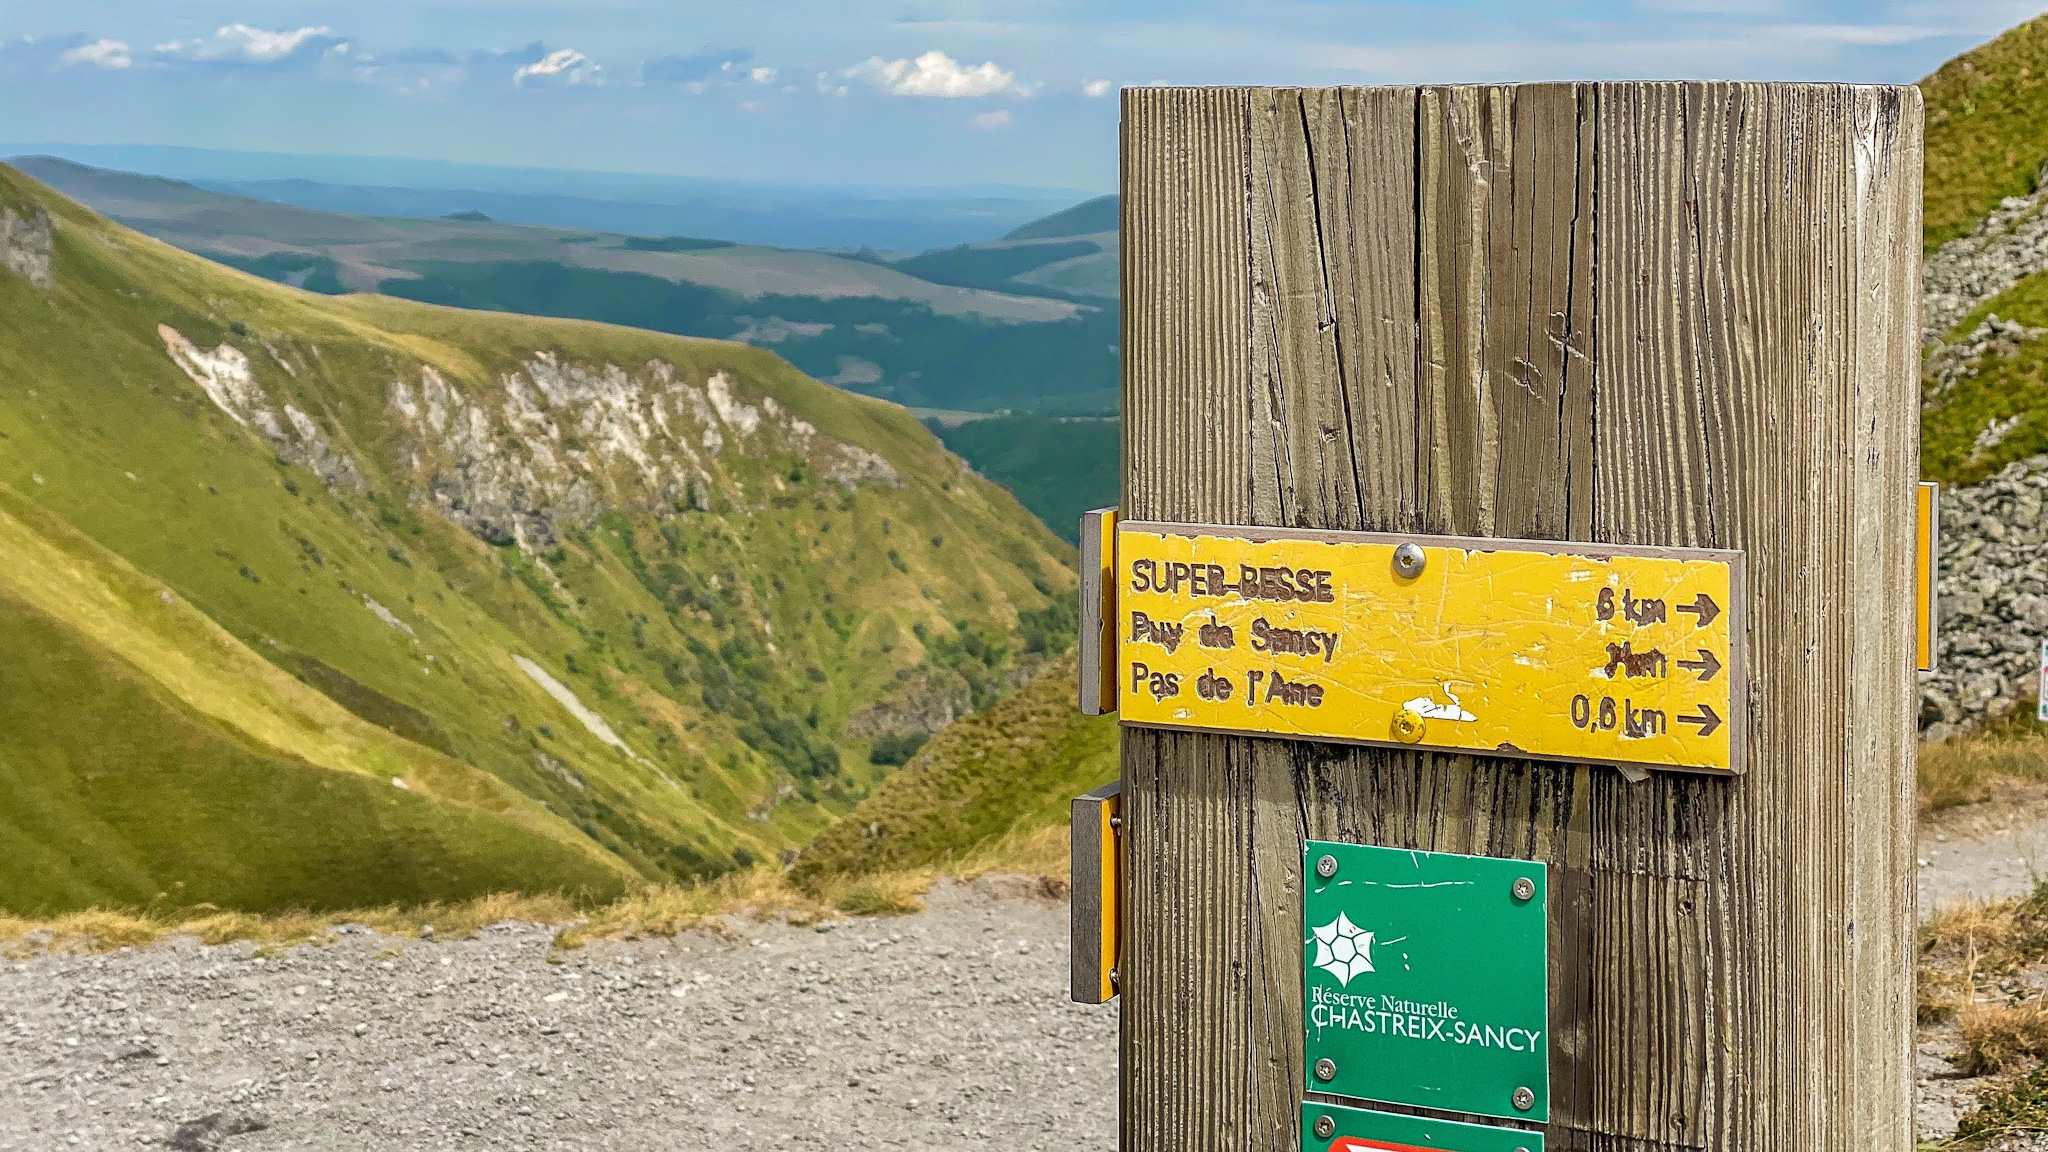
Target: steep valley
point(321, 601)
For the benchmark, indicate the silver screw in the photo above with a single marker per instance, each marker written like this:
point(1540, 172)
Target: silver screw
point(1326, 1070)
point(1326, 867)
point(1409, 560)
point(1326, 1128)
point(1524, 888)
point(1524, 1099)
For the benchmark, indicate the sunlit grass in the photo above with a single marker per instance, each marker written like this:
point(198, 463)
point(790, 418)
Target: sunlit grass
point(663, 910)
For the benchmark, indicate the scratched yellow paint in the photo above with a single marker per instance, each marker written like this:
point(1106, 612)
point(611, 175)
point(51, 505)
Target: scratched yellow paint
point(1516, 647)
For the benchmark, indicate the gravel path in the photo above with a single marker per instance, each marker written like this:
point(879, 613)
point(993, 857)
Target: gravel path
point(1991, 851)
point(946, 1029)
point(937, 1031)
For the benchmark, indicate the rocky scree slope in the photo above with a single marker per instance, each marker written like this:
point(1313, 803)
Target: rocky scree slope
point(404, 602)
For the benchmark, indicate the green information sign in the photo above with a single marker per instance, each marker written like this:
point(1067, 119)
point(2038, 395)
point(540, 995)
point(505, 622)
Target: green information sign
point(1426, 979)
point(1331, 1128)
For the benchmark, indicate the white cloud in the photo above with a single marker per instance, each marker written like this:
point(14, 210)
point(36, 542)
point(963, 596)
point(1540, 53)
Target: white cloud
point(563, 65)
point(1097, 88)
point(242, 44)
point(100, 54)
point(933, 74)
point(1000, 118)
point(762, 75)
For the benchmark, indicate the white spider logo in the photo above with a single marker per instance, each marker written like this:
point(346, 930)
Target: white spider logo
point(1343, 949)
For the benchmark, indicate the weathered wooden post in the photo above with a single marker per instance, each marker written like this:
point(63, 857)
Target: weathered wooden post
point(1674, 316)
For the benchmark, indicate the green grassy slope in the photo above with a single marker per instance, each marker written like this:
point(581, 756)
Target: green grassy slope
point(314, 581)
point(119, 793)
point(2009, 392)
point(1006, 772)
point(1987, 138)
point(1987, 128)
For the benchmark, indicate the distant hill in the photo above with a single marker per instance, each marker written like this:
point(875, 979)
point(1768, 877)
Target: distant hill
point(901, 219)
point(318, 601)
point(971, 339)
point(1087, 218)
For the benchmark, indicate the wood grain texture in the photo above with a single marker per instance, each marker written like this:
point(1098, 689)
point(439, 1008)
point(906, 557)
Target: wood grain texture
point(1186, 423)
point(1677, 314)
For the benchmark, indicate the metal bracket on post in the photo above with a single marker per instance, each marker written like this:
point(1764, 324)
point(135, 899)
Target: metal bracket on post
point(1097, 893)
point(1098, 612)
point(1927, 554)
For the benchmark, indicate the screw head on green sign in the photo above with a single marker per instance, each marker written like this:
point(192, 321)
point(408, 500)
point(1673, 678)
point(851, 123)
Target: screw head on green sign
point(1331, 1128)
point(1426, 979)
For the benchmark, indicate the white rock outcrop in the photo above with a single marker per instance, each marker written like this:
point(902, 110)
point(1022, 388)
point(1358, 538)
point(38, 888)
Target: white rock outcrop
point(225, 375)
point(25, 240)
point(555, 443)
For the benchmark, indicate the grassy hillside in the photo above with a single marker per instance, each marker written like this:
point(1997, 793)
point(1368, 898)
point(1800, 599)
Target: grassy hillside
point(1987, 139)
point(525, 603)
point(1987, 128)
point(1002, 774)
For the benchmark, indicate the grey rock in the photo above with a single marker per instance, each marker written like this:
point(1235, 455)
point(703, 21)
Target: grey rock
point(208, 1132)
point(25, 239)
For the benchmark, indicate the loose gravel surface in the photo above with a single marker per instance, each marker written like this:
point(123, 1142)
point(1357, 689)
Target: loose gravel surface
point(943, 1030)
point(1991, 851)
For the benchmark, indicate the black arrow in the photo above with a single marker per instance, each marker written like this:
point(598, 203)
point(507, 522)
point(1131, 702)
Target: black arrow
point(1706, 665)
point(1708, 720)
point(1702, 607)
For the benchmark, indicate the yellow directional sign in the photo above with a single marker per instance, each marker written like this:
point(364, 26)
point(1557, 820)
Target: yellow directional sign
point(1580, 652)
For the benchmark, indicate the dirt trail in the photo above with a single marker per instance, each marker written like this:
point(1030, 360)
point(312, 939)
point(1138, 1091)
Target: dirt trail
point(1990, 851)
point(943, 1030)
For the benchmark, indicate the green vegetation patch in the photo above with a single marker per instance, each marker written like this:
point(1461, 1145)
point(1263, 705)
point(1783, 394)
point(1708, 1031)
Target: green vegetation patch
point(672, 244)
point(2021, 1106)
point(308, 270)
point(1011, 770)
point(120, 795)
point(982, 266)
point(1057, 468)
point(1987, 129)
point(2000, 414)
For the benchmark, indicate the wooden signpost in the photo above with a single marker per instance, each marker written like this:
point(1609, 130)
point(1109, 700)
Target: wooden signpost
point(1512, 617)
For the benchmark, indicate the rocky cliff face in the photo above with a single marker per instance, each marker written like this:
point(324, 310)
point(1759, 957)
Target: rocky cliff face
point(25, 244)
point(553, 444)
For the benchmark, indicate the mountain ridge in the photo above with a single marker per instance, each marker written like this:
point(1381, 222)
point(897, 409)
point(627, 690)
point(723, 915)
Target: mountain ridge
point(406, 510)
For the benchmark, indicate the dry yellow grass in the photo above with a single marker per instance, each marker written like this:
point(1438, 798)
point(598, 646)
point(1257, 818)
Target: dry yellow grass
point(1962, 770)
point(2002, 1037)
point(654, 911)
point(1967, 954)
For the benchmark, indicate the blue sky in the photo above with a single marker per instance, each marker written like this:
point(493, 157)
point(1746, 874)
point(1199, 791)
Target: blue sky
point(915, 92)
